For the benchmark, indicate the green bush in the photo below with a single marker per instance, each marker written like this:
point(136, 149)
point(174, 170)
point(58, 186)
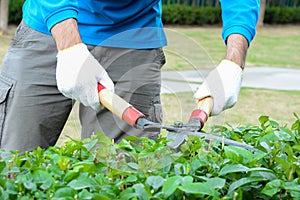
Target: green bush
point(142, 169)
point(282, 15)
point(188, 15)
point(15, 11)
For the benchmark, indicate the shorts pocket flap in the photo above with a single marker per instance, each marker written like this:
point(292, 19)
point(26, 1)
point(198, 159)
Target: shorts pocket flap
point(5, 86)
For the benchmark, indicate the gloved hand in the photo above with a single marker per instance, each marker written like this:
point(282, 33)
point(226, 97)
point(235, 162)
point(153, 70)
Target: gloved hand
point(223, 84)
point(78, 73)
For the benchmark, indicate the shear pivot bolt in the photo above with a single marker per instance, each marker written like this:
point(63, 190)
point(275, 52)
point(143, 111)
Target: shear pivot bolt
point(178, 124)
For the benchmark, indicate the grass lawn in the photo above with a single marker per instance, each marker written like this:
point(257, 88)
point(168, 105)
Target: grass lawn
point(4, 42)
point(202, 47)
point(194, 47)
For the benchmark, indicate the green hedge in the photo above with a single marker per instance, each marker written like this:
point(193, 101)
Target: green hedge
point(178, 14)
point(282, 15)
point(15, 11)
point(187, 15)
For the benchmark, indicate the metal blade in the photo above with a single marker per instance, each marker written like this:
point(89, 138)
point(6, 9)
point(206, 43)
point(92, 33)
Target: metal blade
point(179, 137)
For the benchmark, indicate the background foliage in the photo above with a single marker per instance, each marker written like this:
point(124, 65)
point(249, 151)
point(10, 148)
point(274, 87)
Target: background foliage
point(189, 15)
point(201, 3)
point(200, 12)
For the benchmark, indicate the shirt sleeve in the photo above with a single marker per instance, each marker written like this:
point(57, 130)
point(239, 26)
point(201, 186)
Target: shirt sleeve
point(240, 16)
point(55, 11)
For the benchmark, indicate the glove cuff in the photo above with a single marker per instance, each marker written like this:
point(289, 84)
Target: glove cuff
point(79, 49)
point(227, 63)
point(229, 67)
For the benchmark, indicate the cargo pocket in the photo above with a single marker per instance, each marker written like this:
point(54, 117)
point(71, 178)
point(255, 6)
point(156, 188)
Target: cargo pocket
point(5, 87)
point(160, 57)
point(155, 112)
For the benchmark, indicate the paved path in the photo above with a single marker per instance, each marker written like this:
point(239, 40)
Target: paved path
point(254, 77)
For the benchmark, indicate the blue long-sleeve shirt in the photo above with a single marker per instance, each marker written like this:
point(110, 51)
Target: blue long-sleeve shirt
point(129, 23)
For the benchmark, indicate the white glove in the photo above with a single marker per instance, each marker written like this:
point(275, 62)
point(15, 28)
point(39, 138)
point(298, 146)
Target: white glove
point(78, 73)
point(223, 84)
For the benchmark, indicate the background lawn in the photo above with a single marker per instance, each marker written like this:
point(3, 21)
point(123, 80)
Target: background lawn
point(203, 48)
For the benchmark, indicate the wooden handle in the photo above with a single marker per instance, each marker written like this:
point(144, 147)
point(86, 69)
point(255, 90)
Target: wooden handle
point(204, 108)
point(118, 106)
point(205, 104)
point(113, 102)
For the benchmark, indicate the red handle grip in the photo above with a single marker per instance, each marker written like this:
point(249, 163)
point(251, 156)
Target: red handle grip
point(199, 115)
point(118, 106)
point(204, 109)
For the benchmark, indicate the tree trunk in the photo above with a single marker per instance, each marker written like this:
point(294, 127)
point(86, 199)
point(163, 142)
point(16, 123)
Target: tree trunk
point(262, 13)
point(217, 3)
point(4, 16)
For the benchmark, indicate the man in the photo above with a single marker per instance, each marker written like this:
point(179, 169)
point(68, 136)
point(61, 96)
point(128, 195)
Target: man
point(62, 49)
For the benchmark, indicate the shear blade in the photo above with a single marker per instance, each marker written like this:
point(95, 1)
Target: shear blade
point(176, 139)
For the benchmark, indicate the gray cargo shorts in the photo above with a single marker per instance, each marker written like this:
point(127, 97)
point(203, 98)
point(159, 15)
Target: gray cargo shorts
point(32, 110)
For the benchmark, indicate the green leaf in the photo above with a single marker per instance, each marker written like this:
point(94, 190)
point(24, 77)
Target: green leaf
point(296, 124)
point(90, 144)
point(244, 181)
point(127, 194)
point(125, 145)
point(155, 182)
point(85, 166)
point(29, 185)
point(44, 178)
point(64, 193)
point(295, 195)
point(179, 169)
point(284, 135)
point(260, 169)
point(263, 120)
point(268, 175)
point(84, 194)
point(199, 189)
point(273, 187)
point(233, 168)
point(269, 138)
point(103, 139)
point(292, 186)
point(140, 191)
point(3, 194)
point(258, 155)
point(274, 124)
point(11, 187)
point(216, 182)
point(238, 155)
point(63, 163)
point(186, 180)
point(71, 175)
point(134, 166)
point(131, 179)
point(83, 182)
point(2, 166)
point(171, 185)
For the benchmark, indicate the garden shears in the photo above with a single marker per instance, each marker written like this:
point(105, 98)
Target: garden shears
point(178, 132)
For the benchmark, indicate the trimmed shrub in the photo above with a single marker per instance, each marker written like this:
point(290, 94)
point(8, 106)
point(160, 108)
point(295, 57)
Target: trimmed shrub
point(282, 15)
point(15, 11)
point(188, 15)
